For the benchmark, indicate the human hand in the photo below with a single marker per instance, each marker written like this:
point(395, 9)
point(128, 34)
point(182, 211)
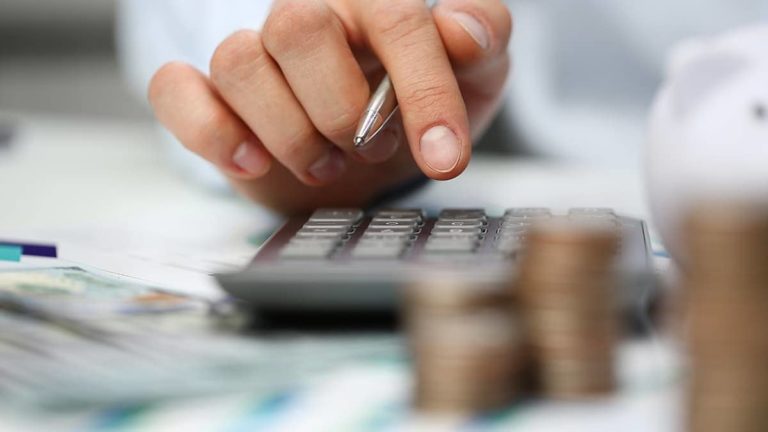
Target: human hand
point(278, 113)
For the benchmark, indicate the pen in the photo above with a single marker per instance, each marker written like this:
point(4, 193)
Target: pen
point(381, 108)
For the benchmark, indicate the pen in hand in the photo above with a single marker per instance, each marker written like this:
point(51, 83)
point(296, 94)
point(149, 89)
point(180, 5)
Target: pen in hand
point(380, 110)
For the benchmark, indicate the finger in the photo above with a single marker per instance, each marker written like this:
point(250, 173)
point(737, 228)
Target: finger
point(251, 83)
point(319, 66)
point(473, 31)
point(386, 143)
point(476, 34)
point(403, 35)
point(187, 105)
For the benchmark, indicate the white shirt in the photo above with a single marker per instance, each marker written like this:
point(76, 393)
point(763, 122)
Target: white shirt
point(585, 70)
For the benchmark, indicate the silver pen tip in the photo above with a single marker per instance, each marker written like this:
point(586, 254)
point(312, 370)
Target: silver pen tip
point(359, 141)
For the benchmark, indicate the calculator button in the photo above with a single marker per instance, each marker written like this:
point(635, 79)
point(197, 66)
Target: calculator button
point(340, 225)
point(408, 219)
point(407, 214)
point(513, 229)
point(461, 245)
point(402, 237)
point(322, 230)
point(399, 231)
point(528, 213)
point(455, 232)
point(379, 224)
point(517, 221)
point(389, 243)
point(350, 216)
point(462, 215)
point(506, 235)
point(369, 251)
point(459, 224)
point(315, 241)
point(299, 252)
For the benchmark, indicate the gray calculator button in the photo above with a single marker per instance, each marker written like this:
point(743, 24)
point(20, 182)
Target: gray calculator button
point(459, 224)
point(294, 252)
point(396, 230)
point(517, 221)
point(408, 219)
point(378, 252)
point(409, 214)
point(314, 242)
point(511, 235)
point(462, 215)
point(319, 236)
point(528, 213)
point(340, 225)
point(455, 232)
point(451, 246)
point(514, 228)
point(391, 244)
point(402, 237)
point(322, 230)
point(379, 224)
point(350, 216)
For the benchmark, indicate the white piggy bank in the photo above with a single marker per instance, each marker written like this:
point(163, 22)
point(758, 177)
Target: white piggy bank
point(708, 136)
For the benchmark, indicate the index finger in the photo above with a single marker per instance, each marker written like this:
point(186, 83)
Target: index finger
point(404, 36)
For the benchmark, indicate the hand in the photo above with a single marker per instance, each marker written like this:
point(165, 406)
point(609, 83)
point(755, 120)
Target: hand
point(278, 113)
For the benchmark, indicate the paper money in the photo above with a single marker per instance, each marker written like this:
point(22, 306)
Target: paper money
point(73, 338)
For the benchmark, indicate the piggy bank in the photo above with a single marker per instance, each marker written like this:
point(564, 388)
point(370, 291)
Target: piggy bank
point(708, 132)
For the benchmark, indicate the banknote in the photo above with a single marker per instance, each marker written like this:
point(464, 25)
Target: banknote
point(73, 338)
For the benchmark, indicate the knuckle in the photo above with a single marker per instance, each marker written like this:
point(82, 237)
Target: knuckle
point(164, 79)
point(208, 134)
point(235, 58)
point(400, 22)
point(426, 94)
point(294, 23)
point(294, 150)
point(343, 122)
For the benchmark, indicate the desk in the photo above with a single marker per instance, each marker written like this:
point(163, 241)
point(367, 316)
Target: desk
point(105, 186)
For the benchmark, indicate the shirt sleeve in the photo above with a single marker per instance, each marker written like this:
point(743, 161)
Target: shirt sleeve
point(151, 33)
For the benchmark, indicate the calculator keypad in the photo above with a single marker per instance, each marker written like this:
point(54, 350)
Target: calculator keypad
point(393, 234)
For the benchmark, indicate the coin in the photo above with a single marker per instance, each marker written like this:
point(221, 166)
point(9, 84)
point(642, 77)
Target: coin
point(726, 292)
point(570, 305)
point(466, 344)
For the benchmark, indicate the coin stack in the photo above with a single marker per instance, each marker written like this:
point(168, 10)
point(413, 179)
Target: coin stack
point(466, 346)
point(570, 305)
point(727, 299)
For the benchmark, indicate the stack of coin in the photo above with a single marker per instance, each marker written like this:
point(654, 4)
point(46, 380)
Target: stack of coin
point(727, 298)
point(569, 297)
point(466, 345)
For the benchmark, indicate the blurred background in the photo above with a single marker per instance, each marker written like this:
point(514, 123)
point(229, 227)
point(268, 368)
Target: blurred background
point(58, 57)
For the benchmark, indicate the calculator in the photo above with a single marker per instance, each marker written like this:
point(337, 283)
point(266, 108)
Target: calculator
point(350, 260)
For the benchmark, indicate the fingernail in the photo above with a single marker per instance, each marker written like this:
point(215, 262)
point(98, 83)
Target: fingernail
point(329, 167)
point(251, 159)
point(382, 148)
point(441, 149)
point(474, 28)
